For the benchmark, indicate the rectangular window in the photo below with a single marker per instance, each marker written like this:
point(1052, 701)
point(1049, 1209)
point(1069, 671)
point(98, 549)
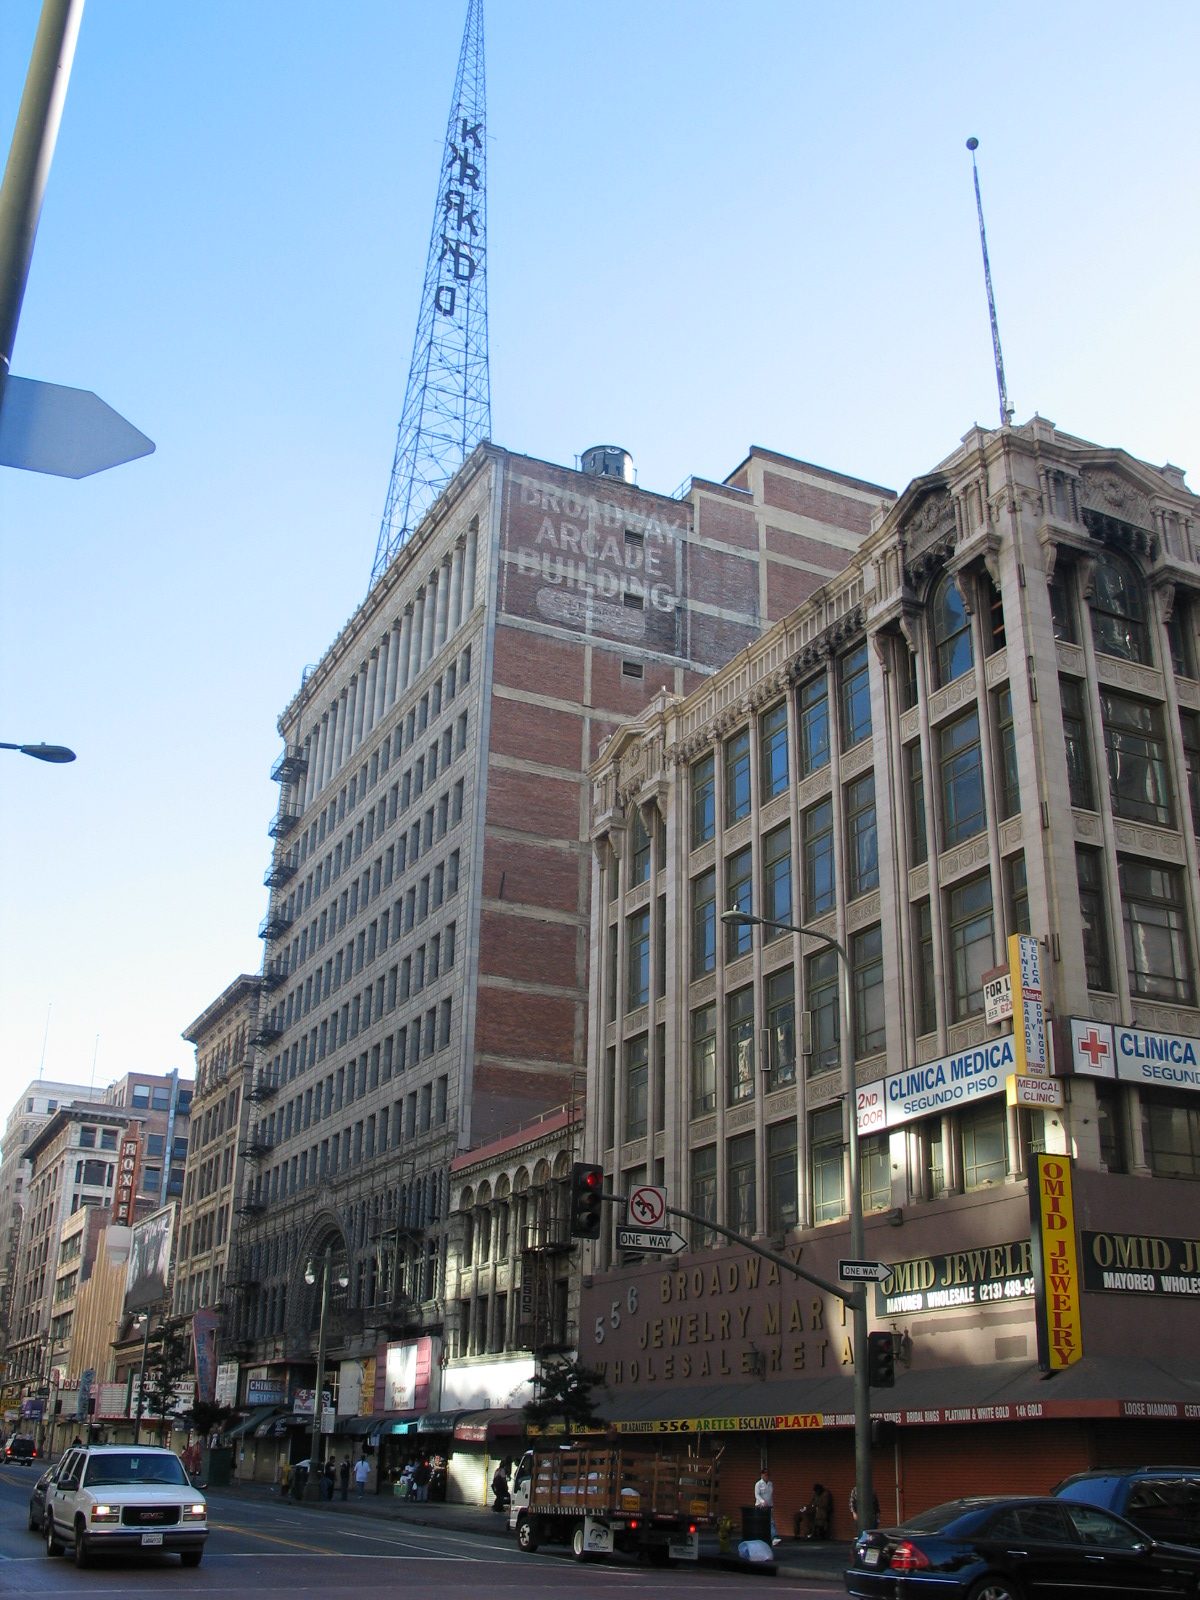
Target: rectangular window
point(875, 1172)
point(1152, 908)
point(825, 1164)
point(822, 1030)
point(971, 944)
point(783, 1202)
point(856, 697)
point(1189, 726)
point(704, 1060)
point(961, 772)
point(780, 999)
point(739, 1045)
point(739, 1185)
point(1009, 780)
point(639, 849)
point(1137, 760)
point(816, 844)
point(637, 989)
point(636, 1083)
point(866, 963)
point(862, 840)
point(773, 752)
point(1171, 1133)
point(1089, 877)
point(923, 979)
point(737, 777)
point(703, 785)
point(813, 718)
point(981, 1129)
point(777, 879)
point(738, 897)
point(1017, 882)
point(704, 1195)
point(704, 923)
point(918, 837)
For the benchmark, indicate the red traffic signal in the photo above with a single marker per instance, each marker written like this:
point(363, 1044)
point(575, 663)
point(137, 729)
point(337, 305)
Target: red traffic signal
point(881, 1360)
point(587, 1185)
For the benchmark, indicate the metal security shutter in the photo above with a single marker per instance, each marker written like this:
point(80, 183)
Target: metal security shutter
point(938, 1464)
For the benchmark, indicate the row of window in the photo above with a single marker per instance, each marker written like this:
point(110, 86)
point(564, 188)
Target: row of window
point(456, 676)
point(420, 1111)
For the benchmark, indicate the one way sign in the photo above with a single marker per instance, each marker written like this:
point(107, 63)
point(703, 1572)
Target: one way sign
point(863, 1271)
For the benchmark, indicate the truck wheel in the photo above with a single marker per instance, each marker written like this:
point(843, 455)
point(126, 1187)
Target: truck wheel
point(525, 1536)
point(53, 1542)
point(578, 1547)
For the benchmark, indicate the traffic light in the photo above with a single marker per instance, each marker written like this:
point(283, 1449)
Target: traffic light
point(881, 1360)
point(587, 1182)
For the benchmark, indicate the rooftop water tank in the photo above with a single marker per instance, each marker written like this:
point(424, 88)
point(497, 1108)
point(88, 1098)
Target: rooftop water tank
point(607, 461)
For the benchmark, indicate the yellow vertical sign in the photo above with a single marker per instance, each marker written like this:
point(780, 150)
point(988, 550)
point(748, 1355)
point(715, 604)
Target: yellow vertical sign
point(1055, 1263)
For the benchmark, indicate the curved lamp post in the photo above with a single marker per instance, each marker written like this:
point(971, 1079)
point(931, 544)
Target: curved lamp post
point(321, 1269)
point(855, 1298)
point(42, 752)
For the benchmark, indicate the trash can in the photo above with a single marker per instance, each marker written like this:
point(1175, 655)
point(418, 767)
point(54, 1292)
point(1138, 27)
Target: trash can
point(756, 1523)
point(217, 1465)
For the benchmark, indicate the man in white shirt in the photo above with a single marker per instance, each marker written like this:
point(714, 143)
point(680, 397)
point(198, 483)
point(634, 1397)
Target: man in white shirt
point(764, 1496)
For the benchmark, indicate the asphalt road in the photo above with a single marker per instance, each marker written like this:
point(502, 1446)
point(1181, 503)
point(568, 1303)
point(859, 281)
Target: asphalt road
point(276, 1551)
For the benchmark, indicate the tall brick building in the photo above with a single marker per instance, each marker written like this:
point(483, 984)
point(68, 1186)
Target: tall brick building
point(426, 972)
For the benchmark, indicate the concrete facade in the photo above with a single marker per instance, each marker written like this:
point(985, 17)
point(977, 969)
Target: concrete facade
point(987, 724)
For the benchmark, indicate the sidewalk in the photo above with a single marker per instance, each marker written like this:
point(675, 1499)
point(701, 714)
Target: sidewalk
point(796, 1557)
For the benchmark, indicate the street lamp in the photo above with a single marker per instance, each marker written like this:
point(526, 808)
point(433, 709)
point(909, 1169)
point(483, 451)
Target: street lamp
point(312, 1271)
point(42, 752)
point(855, 1298)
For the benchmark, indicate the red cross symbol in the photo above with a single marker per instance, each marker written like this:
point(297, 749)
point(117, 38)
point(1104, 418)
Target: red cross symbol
point(1094, 1046)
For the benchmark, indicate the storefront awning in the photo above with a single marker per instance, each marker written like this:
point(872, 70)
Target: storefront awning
point(277, 1427)
point(375, 1425)
point(246, 1427)
point(480, 1427)
point(996, 1392)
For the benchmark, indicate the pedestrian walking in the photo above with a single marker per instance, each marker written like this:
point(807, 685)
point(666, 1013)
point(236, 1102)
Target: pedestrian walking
point(822, 1512)
point(362, 1471)
point(344, 1477)
point(500, 1488)
point(327, 1477)
point(874, 1522)
point(764, 1498)
point(421, 1479)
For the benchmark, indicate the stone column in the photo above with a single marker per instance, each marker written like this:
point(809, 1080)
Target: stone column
point(456, 576)
point(427, 619)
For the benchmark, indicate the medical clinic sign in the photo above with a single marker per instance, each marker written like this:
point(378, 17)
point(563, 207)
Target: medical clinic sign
point(937, 1086)
point(1162, 1060)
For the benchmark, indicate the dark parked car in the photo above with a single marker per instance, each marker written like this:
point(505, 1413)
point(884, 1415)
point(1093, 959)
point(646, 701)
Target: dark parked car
point(1018, 1548)
point(21, 1447)
point(1162, 1501)
point(37, 1499)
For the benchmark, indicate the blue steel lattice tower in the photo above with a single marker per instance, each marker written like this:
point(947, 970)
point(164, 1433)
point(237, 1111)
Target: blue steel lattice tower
point(448, 403)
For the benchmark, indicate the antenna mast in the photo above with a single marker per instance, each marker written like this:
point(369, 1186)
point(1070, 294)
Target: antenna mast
point(448, 402)
point(1005, 409)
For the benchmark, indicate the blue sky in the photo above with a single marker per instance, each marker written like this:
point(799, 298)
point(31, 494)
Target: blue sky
point(710, 226)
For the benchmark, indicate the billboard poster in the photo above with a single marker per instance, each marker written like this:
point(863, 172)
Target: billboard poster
point(149, 1269)
point(226, 1385)
point(204, 1346)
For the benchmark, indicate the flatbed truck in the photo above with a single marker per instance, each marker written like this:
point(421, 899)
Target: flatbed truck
point(603, 1499)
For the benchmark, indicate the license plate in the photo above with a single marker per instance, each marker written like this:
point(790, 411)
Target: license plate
point(870, 1558)
point(152, 1538)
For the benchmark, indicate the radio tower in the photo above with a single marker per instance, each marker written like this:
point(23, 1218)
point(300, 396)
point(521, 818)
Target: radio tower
point(448, 401)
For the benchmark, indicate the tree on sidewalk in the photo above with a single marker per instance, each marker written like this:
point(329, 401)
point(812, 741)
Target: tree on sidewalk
point(565, 1391)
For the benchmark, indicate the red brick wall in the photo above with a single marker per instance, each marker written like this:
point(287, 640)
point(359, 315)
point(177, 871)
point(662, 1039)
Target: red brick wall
point(543, 734)
point(839, 510)
point(524, 1026)
point(541, 666)
point(530, 802)
point(521, 948)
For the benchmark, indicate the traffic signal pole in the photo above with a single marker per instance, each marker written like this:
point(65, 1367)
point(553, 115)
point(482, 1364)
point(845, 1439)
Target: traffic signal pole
point(855, 1300)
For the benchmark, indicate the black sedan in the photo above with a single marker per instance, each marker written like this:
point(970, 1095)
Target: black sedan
point(1017, 1549)
point(37, 1499)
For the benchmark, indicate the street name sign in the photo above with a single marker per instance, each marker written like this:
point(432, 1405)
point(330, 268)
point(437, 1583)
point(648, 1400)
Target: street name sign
point(657, 1240)
point(69, 433)
point(863, 1271)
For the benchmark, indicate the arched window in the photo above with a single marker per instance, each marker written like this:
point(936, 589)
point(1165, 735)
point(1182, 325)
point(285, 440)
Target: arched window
point(1118, 608)
point(952, 650)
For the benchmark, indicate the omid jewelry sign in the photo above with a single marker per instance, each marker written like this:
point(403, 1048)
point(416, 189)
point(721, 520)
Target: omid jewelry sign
point(1055, 1263)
